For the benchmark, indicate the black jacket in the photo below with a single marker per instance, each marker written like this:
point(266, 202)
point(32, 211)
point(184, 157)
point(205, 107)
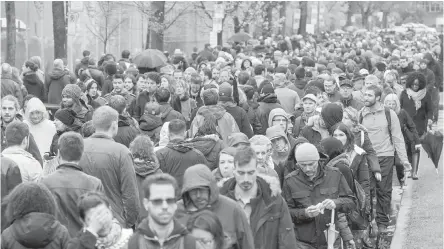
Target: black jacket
point(34, 85)
point(127, 131)
point(420, 116)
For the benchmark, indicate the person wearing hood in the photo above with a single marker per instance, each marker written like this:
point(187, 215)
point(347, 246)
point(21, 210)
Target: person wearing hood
point(71, 99)
point(31, 210)
point(92, 94)
point(281, 118)
point(150, 123)
point(32, 82)
point(331, 89)
point(56, 81)
point(145, 164)
point(300, 82)
point(239, 114)
point(119, 89)
point(208, 141)
point(225, 169)
point(251, 108)
point(60, 182)
point(260, 202)
point(346, 92)
point(41, 128)
point(264, 149)
point(267, 101)
point(167, 113)
point(200, 192)
point(128, 129)
point(226, 124)
point(281, 149)
point(178, 155)
point(288, 98)
point(238, 139)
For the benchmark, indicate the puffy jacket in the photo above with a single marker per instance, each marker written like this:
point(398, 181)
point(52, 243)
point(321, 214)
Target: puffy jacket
point(30, 168)
point(151, 125)
point(67, 192)
point(266, 104)
point(35, 230)
point(178, 156)
point(126, 131)
point(210, 146)
point(54, 84)
point(234, 221)
point(11, 177)
point(270, 219)
point(251, 109)
point(10, 87)
point(112, 163)
point(225, 122)
point(34, 85)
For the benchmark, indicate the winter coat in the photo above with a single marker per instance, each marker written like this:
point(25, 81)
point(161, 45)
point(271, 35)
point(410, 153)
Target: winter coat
point(126, 131)
point(10, 178)
point(288, 98)
point(54, 84)
point(251, 109)
point(342, 163)
point(299, 86)
point(241, 117)
point(10, 87)
point(35, 230)
point(179, 238)
point(270, 219)
point(234, 221)
point(210, 146)
point(436, 68)
point(300, 193)
point(363, 141)
point(107, 86)
point(226, 124)
point(167, 113)
point(76, 127)
point(138, 106)
point(422, 115)
point(86, 240)
point(44, 131)
point(67, 192)
point(112, 163)
point(82, 65)
point(97, 75)
point(408, 128)
point(151, 125)
point(129, 97)
point(429, 75)
point(177, 156)
point(34, 85)
point(30, 169)
point(266, 104)
point(360, 170)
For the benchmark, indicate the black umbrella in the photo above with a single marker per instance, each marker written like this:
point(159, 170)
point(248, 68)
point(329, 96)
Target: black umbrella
point(240, 37)
point(432, 144)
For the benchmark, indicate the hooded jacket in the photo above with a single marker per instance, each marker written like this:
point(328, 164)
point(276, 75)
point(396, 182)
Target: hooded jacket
point(10, 178)
point(279, 155)
point(34, 85)
point(126, 131)
point(270, 219)
point(178, 156)
point(10, 87)
point(167, 113)
point(44, 131)
point(241, 118)
point(266, 104)
point(280, 112)
point(54, 83)
point(230, 214)
point(36, 230)
point(210, 146)
point(226, 124)
point(151, 125)
point(341, 162)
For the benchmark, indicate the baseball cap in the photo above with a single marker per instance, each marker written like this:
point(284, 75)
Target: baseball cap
point(346, 82)
point(363, 72)
point(310, 96)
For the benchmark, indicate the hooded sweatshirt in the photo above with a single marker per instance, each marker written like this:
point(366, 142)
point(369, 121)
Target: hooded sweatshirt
point(210, 146)
point(34, 85)
point(55, 82)
point(226, 124)
point(151, 125)
point(44, 131)
point(266, 104)
point(280, 151)
point(36, 230)
point(234, 221)
point(280, 112)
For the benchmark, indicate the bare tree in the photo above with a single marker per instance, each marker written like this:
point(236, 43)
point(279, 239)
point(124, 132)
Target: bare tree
point(105, 21)
point(303, 21)
point(366, 9)
point(10, 32)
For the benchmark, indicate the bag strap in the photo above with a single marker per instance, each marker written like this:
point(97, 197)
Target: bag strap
point(189, 242)
point(388, 116)
point(362, 138)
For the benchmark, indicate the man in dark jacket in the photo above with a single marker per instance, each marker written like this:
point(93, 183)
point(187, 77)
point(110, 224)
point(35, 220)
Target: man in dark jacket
point(83, 62)
point(178, 155)
point(148, 86)
point(405, 66)
point(112, 163)
point(260, 203)
point(200, 192)
point(251, 109)
point(109, 70)
point(124, 63)
point(267, 102)
point(61, 183)
point(119, 89)
point(331, 89)
point(71, 99)
point(167, 113)
point(300, 82)
point(56, 81)
point(10, 87)
point(346, 90)
point(11, 177)
point(127, 130)
point(311, 190)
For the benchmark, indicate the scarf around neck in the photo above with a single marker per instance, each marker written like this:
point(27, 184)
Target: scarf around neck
point(416, 96)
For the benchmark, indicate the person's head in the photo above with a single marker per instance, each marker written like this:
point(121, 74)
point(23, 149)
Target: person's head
point(215, 72)
point(243, 78)
point(130, 82)
point(392, 101)
point(196, 83)
point(330, 85)
point(181, 87)
point(162, 95)
point(118, 103)
point(141, 83)
point(238, 139)
point(105, 120)
point(64, 118)
point(71, 95)
point(423, 64)
point(88, 204)
point(29, 197)
point(372, 95)
point(17, 134)
point(125, 54)
point(142, 148)
point(88, 129)
point(210, 97)
point(245, 168)
point(259, 70)
point(280, 118)
point(332, 147)
point(177, 129)
point(206, 74)
point(58, 63)
point(390, 78)
point(262, 147)
point(309, 103)
point(160, 196)
point(10, 107)
point(29, 66)
point(415, 81)
point(283, 63)
point(187, 73)
point(224, 76)
point(371, 80)
point(307, 157)
point(86, 53)
point(394, 61)
point(118, 83)
point(226, 162)
point(346, 89)
point(331, 114)
point(165, 81)
point(71, 147)
point(178, 75)
point(153, 81)
point(206, 227)
point(91, 87)
point(404, 62)
point(343, 133)
point(35, 111)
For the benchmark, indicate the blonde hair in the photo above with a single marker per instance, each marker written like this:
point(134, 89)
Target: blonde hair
point(393, 97)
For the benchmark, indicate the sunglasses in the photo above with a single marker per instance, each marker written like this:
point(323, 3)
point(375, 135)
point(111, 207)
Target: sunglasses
point(159, 202)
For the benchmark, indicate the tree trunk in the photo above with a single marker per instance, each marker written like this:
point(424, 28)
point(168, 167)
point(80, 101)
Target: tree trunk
point(148, 38)
point(156, 36)
point(365, 16)
point(59, 26)
point(267, 26)
point(303, 21)
point(349, 15)
point(237, 26)
point(10, 32)
point(282, 12)
point(385, 19)
point(219, 38)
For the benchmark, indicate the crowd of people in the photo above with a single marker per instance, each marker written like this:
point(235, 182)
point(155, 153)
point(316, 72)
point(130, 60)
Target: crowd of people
point(233, 147)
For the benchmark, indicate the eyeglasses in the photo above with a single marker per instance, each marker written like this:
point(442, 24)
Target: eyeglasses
point(205, 241)
point(159, 202)
point(280, 120)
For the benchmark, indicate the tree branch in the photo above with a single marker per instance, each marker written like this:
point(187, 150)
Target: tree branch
point(172, 6)
point(114, 29)
point(95, 33)
point(202, 7)
point(181, 13)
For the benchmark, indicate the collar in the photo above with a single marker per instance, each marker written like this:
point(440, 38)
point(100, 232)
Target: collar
point(238, 196)
point(366, 110)
point(71, 166)
point(101, 135)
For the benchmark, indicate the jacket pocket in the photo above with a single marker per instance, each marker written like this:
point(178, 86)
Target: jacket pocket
point(329, 192)
point(301, 198)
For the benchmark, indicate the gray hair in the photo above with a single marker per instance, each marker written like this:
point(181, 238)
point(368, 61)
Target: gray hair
point(6, 69)
point(58, 63)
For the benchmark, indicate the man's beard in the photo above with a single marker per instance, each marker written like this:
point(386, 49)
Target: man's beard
point(162, 221)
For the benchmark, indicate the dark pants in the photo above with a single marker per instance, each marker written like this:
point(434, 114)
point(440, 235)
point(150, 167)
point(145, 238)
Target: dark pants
point(384, 190)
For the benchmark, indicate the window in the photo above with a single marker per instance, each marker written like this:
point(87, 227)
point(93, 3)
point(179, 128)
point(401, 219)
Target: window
point(431, 6)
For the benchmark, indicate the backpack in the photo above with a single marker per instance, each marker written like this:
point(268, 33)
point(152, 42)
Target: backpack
point(389, 121)
point(358, 216)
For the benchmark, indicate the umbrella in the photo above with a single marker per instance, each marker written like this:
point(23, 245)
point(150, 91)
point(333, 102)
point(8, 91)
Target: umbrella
point(240, 37)
point(331, 234)
point(206, 55)
point(150, 58)
point(432, 144)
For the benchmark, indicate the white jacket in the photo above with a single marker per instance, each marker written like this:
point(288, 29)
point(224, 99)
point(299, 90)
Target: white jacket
point(30, 169)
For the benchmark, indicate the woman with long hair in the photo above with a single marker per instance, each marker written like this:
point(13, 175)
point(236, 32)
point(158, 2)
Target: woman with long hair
point(206, 227)
point(130, 83)
point(182, 100)
point(93, 95)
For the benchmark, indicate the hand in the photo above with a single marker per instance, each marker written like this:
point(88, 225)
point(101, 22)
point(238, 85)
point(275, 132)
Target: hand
point(98, 218)
point(378, 176)
point(407, 166)
point(329, 204)
point(312, 211)
point(429, 122)
point(418, 146)
point(351, 244)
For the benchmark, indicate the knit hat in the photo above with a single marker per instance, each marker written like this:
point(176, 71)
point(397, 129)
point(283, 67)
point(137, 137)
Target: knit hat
point(66, 116)
point(381, 66)
point(152, 108)
point(72, 91)
point(110, 67)
point(249, 91)
point(346, 82)
point(306, 152)
point(236, 138)
point(330, 145)
point(332, 114)
point(225, 92)
point(267, 89)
